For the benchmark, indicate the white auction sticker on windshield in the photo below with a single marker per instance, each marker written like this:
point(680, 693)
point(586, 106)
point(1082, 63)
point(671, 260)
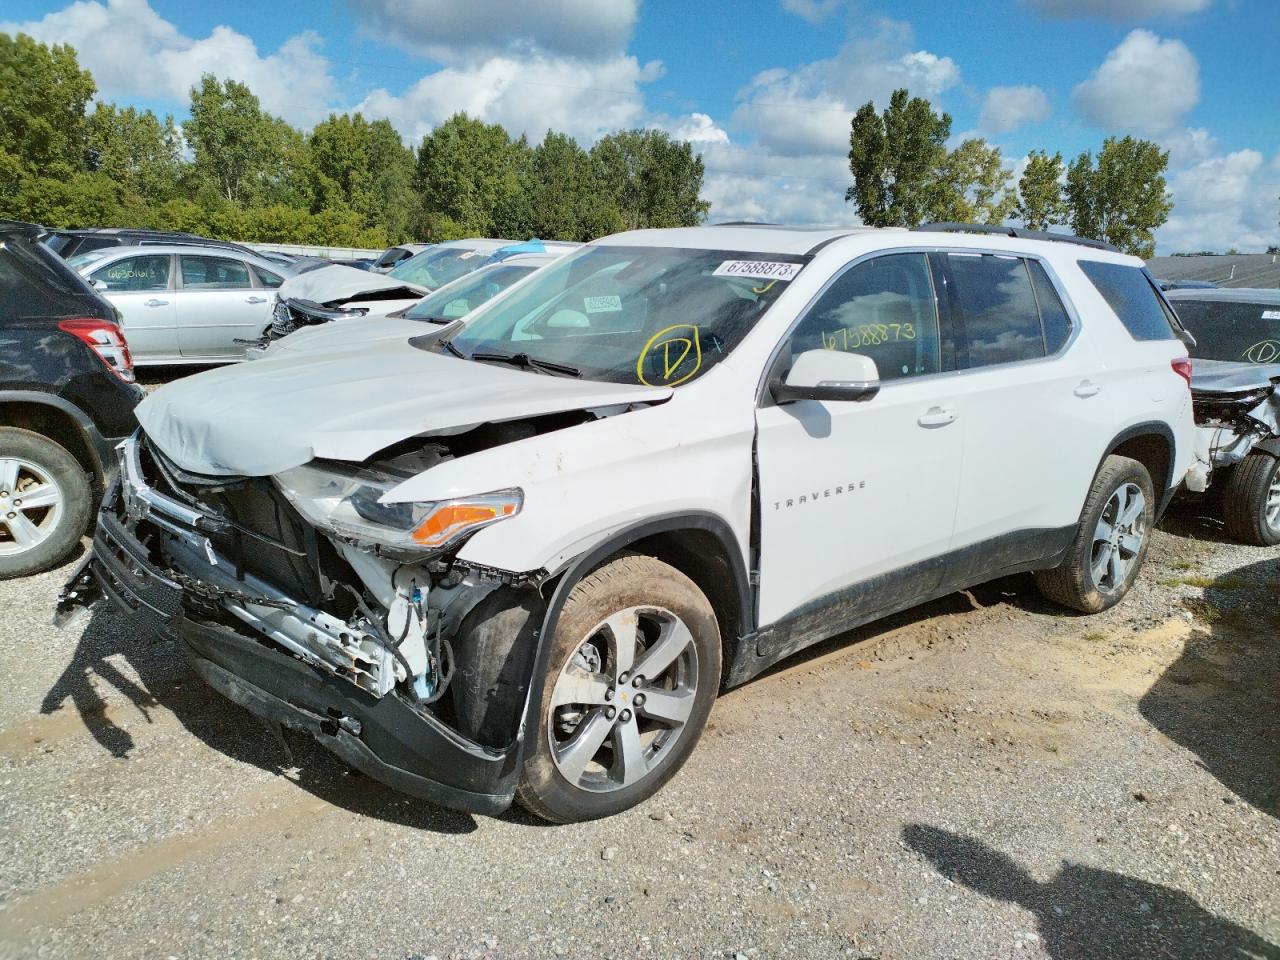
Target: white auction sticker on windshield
point(603, 304)
point(1271, 314)
point(757, 269)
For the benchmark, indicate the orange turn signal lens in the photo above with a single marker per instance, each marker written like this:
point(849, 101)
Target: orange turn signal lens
point(453, 518)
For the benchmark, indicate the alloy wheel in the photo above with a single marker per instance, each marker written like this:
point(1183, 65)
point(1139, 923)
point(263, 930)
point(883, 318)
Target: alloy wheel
point(1118, 537)
point(1272, 508)
point(622, 701)
point(31, 504)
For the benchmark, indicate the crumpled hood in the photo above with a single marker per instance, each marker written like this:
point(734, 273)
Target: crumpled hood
point(339, 283)
point(1231, 376)
point(257, 419)
point(350, 334)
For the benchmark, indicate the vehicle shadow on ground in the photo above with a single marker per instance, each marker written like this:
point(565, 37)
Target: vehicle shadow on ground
point(1085, 913)
point(1195, 520)
point(1221, 698)
point(158, 680)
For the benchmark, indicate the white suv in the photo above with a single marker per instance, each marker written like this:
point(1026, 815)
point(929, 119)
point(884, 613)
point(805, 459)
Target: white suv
point(518, 557)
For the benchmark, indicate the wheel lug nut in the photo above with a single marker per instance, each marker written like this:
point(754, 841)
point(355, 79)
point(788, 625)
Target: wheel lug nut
point(610, 713)
point(608, 694)
point(625, 716)
point(623, 678)
point(639, 700)
point(637, 682)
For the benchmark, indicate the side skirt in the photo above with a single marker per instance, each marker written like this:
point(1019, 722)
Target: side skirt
point(885, 595)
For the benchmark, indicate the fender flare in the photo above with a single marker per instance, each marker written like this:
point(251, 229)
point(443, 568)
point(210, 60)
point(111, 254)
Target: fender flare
point(99, 447)
point(1271, 445)
point(1148, 428)
point(586, 562)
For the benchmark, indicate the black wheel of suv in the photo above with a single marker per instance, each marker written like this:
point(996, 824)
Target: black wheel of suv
point(1110, 543)
point(633, 672)
point(1251, 500)
point(45, 502)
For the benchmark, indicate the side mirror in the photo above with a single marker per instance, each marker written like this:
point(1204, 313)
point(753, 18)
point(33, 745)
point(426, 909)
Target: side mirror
point(828, 375)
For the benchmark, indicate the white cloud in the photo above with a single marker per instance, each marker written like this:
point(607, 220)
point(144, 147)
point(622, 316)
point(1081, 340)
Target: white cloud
point(1126, 10)
point(813, 11)
point(807, 109)
point(749, 183)
point(451, 31)
point(698, 128)
point(526, 95)
point(1223, 201)
point(1006, 108)
point(133, 51)
point(1145, 85)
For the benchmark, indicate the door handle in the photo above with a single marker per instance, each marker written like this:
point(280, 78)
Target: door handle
point(1086, 388)
point(256, 300)
point(153, 302)
point(937, 417)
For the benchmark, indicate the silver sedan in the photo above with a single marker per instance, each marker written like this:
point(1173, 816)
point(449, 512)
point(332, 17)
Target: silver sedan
point(185, 304)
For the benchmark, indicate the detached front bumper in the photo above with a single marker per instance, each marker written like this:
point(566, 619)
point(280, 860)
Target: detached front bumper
point(406, 747)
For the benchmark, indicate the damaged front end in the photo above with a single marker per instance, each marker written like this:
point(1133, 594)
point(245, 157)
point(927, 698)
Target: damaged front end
point(308, 602)
point(1237, 409)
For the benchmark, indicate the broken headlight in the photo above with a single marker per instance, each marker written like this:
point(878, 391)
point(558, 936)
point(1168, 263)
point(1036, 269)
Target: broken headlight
point(348, 503)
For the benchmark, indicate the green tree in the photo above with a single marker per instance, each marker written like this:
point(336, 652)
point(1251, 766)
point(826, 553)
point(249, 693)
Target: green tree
point(649, 179)
point(43, 94)
point(468, 175)
point(363, 167)
point(973, 186)
point(1122, 198)
point(1040, 200)
point(241, 153)
point(137, 150)
point(898, 161)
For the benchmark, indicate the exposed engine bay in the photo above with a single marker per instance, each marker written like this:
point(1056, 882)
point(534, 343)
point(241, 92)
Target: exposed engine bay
point(1237, 406)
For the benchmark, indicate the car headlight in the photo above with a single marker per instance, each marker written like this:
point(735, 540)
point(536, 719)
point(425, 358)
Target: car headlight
point(349, 504)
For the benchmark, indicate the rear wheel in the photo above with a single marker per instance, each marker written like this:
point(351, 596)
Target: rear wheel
point(1251, 500)
point(1110, 543)
point(633, 672)
point(45, 501)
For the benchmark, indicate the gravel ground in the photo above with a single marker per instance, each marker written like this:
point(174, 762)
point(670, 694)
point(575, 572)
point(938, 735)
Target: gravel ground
point(983, 777)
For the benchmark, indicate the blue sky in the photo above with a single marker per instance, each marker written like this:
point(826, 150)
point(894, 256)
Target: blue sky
point(764, 89)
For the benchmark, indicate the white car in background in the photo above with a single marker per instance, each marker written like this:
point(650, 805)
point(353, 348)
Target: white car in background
point(451, 302)
point(186, 304)
point(338, 292)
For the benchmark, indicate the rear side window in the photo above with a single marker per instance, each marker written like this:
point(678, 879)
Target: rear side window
point(1133, 298)
point(1053, 315)
point(35, 283)
point(993, 300)
point(267, 278)
point(214, 273)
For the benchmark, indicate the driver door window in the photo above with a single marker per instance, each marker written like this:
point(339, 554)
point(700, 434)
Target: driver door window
point(884, 309)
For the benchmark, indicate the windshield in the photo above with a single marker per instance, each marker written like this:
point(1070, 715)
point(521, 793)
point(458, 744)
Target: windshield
point(459, 298)
point(1231, 330)
point(434, 268)
point(81, 260)
point(650, 315)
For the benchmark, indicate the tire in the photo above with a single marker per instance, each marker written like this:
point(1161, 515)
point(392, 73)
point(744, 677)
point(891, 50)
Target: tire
point(37, 537)
point(1251, 500)
point(587, 700)
point(1086, 580)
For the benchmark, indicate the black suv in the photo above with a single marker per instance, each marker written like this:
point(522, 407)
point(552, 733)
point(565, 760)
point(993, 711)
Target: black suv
point(66, 397)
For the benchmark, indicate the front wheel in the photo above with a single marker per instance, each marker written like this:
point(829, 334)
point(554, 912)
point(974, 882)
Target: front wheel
point(1251, 500)
point(45, 502)
point(1110, 543)
point(633, 672)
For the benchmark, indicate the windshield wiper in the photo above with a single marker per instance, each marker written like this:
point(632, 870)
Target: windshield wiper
point(448, 345)
point(526, 362)
point(441, 320)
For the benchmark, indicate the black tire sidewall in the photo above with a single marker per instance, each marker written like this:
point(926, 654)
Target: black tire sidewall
point(626, 582)
point(1127, 471)
point(77, 494)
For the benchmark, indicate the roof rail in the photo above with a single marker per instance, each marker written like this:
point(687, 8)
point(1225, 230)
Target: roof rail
point(744, 223)
point(1020, 232)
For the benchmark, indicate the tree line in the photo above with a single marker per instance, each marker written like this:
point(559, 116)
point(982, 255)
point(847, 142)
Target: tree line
point(233, 170)
point(904, 175)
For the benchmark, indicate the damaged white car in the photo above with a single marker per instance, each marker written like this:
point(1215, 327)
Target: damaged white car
point(450, 303)
point(519, 557)
point(1235, 386)
point(340, 293)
